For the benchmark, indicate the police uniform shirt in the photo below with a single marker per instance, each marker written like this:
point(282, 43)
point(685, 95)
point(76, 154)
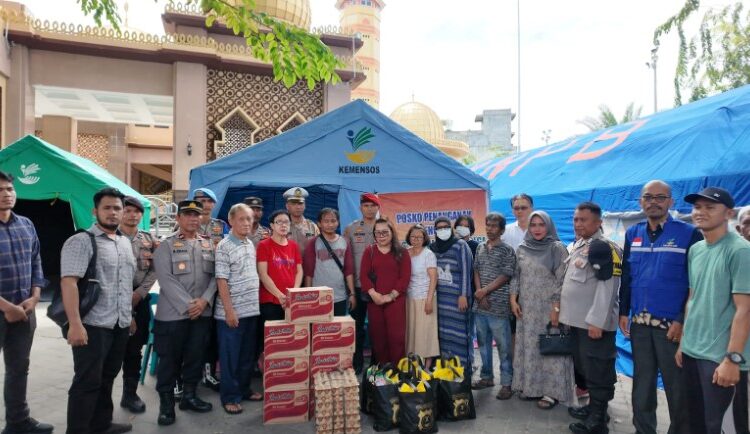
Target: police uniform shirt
point(301, 233)
point(185, 270)
point(359, 235)
point(215, 230)
point(586, 300)
point(144, 246)
point(259, 235)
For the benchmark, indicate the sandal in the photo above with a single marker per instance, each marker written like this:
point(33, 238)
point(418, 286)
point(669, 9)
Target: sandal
point(482, 383)
point(546, 403)
point(253, 396)
point(523, 397)
point(231, 408)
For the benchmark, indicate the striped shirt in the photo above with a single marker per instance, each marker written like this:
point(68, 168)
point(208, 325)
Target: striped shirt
point(20, 263)
point(490, 264)
point(235, 262)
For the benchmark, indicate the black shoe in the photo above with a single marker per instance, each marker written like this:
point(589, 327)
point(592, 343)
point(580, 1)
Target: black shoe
point(190, 401)
point(595, 423)
point(133, 403)
point(30, 426)
point(116, 428)
point(166, 409)
point(582, 413)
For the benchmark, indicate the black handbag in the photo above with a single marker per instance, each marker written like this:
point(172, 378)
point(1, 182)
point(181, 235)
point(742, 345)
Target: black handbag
point(88, 291)
point(556, 344)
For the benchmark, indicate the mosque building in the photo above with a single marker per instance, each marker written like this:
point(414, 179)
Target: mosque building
point(424, 122)
point(148, 108)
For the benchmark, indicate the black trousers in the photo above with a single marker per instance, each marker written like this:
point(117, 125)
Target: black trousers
point(653, 353)
point(339, 308)
point(596, 359)
point(15, 343)
point(360, 315)
point(740, 406)
point(95, 367)
point(181, 346)
point(707, 402)
point(131, 363)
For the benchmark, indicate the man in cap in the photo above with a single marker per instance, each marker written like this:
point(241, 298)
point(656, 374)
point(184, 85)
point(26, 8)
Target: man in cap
point(359, 235)
point(144, 246)
point(215, 229)
point(302, 229)
point(211, 227)
point(184, 264)
point(589, 304)
point(740, 402)
point(258, 232)
point(652, 304)
point(714, 348)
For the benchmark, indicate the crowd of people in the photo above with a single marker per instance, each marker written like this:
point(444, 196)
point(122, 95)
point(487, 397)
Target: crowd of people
point(680, 292)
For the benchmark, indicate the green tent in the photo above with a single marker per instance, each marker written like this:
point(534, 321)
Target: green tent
point(43, 171)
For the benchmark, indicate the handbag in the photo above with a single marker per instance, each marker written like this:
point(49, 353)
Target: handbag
point(88, 291)
point(556, 344)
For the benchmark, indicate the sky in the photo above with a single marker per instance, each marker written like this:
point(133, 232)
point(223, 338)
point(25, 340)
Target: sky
point(460, 58)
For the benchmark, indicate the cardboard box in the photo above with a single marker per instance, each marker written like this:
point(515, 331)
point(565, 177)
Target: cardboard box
point(329, 362)
point(335, 336)
point(337, 403)
point(286, 373)
point(286, 406)
point(282, 339)
point(306, 305)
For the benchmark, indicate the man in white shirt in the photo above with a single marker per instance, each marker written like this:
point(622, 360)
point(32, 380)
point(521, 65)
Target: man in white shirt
point(522, 205)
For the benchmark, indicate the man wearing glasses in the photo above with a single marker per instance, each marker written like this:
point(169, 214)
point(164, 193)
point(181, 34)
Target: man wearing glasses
point(653, 294)
point(522, 205)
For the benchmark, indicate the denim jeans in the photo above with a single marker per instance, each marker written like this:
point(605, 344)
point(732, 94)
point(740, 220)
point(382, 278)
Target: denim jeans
point(488, 328)
point(236, 354)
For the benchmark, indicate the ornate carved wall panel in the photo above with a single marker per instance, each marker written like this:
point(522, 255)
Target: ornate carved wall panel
point(95, 147)
point(267, 103)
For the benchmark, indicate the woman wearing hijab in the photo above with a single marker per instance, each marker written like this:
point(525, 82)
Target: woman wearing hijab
point(454, 296)
point(535, 301)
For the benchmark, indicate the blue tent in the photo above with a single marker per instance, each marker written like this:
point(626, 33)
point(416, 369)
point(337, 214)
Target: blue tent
point(699, 144)
point(336, 157)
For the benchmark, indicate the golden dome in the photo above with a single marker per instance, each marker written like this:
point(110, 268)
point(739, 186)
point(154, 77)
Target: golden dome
point(424, 122)
point(296, 12)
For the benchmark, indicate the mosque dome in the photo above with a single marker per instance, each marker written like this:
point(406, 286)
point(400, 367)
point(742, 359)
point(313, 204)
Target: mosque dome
point(424, 122)
point(296, 12)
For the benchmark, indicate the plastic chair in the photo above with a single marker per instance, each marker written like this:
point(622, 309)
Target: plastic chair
point(149, 353)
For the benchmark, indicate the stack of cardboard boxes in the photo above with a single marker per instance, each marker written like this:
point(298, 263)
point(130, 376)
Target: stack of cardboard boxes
point(337, 403)
point(310, 340)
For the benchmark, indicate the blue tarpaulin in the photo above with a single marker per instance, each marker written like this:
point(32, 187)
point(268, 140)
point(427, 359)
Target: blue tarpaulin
point(693, 146)
point(337, 156)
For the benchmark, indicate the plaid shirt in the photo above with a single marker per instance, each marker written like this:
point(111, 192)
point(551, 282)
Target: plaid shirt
point(20, 263)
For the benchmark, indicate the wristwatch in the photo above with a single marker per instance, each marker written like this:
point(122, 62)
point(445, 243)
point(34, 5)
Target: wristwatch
point(735, 358)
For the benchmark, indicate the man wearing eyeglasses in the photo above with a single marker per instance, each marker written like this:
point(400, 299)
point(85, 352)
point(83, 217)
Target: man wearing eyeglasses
point(522, 205)
point(653, 294)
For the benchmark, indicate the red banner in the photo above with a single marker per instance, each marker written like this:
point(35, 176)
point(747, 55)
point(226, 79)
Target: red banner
point(408, 209)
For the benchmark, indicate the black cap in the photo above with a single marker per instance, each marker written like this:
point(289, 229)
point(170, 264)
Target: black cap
point(134, 202)
point(253, 202)
point(600, 257)
point(189, 205)
point(714, 194)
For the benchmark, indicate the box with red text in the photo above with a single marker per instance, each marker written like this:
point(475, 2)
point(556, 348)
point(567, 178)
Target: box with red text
point(306, 305)
point(329, 362)
point(281, 339)
point(286, 406)
point(335, 336)
point(286, 373)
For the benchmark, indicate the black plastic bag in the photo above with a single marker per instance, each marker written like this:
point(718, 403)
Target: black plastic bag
point(416, 412)
point(385, 407)
point(455, 400)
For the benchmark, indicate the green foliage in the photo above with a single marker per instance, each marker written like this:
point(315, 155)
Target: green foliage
point(608, 119)
point(717, 58)
point(293, 53)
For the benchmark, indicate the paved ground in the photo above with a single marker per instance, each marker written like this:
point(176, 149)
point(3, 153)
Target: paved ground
point(51, 372)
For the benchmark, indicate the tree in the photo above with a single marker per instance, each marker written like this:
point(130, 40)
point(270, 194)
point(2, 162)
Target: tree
point(608, 119)
point(717, 58)
point(293, 53)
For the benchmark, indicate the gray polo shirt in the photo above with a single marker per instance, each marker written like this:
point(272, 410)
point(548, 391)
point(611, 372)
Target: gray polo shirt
point(185, 270)
point(115, 270)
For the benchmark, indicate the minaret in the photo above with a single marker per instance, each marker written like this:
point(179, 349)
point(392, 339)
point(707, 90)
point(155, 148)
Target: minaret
point(363, 16)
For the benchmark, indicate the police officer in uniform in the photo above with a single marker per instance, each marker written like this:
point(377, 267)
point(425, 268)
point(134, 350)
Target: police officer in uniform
point(258, 232)
point(359, 235)
point(144, 246)
point(184, 264)
point(589, 305)
point(302, 229)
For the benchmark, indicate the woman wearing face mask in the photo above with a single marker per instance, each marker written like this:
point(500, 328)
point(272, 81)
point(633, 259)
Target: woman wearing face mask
point(421, 329)
point(385, 274)
point(535, 301)
point(454, 296)
point(464, 227)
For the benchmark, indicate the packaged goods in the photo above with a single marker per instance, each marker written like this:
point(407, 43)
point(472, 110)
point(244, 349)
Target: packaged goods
point(286, 406)
point(286, 373)
point(281, 339)
point(306, 305)
point(335, 336)
point(329, 362)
